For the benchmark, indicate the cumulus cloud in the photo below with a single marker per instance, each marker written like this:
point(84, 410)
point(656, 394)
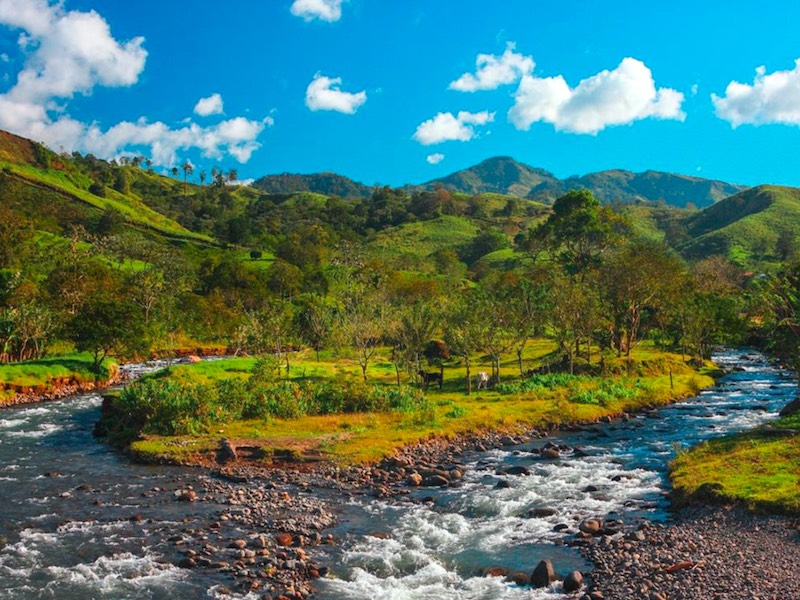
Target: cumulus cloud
point(445, 127)
point(493, 71)
point(209, 106)
point(323, 10)
point(68, 53)
point(772, 98)
point(435, 159)
point(617, 97)
point(324, 93)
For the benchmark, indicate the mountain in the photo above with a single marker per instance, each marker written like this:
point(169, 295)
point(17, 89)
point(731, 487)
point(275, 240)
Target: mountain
point(748, 225)
point(498, 175)
point(328, 184)
point(630, 188)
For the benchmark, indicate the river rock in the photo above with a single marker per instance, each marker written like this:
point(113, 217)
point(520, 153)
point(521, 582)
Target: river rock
point(284, 539)
point(550, 454)
point(539, 513)
point(517, 470)
point(591, 526)
point(573, 582)
point(415, 479)
point(495, 572)
point(519, 578)
point(435, 481)
point(227, 451)
point(791, 408)
point(543, 575)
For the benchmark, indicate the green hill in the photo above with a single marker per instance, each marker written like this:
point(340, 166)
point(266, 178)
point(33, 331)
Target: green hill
point(746, 227)
point(328, 184)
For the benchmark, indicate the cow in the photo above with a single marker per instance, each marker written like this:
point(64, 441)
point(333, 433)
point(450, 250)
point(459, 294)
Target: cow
point(483, 380)
point(428, 378)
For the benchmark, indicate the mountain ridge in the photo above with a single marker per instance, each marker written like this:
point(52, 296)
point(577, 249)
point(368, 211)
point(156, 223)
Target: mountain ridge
point(505, 175)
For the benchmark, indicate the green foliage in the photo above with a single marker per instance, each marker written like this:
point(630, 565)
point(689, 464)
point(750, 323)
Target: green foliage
point(159, 406)
point(536, 383)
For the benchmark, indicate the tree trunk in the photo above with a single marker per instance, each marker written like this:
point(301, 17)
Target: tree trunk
point(397, 373)
point(469, 376)
point(520, 350)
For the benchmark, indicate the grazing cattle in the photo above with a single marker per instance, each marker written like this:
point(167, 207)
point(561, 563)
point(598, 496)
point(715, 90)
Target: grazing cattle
point(428, 378)
point(483, 380)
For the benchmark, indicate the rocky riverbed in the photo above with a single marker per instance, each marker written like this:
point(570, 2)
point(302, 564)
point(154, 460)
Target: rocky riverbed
point(708, 553)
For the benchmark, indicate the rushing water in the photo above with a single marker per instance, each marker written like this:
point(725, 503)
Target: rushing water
point(68, 504)
point(440, 549)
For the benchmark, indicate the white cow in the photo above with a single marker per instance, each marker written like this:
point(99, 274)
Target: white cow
point(483, 380)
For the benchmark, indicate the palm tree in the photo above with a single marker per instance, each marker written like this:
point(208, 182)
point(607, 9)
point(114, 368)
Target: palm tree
point(233, 175)
point(202, 177)
point(188, 169)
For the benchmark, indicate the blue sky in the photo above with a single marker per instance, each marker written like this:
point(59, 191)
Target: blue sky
point(378, 90)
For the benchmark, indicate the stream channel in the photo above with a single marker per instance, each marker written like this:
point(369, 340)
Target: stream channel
point(69, 505)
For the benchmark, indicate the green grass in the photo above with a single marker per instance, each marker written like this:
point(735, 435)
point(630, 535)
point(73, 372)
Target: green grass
point(423, 238)
point(41, 375)
point(364, 437)
point(754, 468)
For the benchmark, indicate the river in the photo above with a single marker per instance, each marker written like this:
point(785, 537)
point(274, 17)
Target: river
point(77, 520)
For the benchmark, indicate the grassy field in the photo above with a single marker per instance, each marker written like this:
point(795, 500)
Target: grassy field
point(758, 468)
point(43, 374)
point(363, 437)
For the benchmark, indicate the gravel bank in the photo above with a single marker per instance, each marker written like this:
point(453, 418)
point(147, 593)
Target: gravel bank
point(707, 553)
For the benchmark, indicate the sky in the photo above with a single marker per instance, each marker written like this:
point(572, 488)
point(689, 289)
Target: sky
point(395, 92)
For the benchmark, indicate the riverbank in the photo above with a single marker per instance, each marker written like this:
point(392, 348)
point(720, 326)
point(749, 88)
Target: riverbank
point(706, 553)
point(758, 469)
point(345, 439)
point(54, 378)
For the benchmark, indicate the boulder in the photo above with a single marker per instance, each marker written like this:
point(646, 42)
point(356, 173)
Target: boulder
point(791, 408)
point(502, 485)
point(226, 452)
point(591, 526)
point(550, 453)
point(193, 358)
point(495, 572)
point(414, 480)
point(543, 575)
point(573, 582)
point(520, 579)
point(435, 481)
point(539, 513)
point(517, 470)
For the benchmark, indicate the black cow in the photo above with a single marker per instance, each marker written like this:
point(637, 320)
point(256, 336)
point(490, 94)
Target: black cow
point(428, 378)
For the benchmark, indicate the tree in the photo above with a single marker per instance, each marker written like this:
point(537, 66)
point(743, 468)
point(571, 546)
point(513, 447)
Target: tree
point(573, 315)
point(642, 276)
point(16, 233)
point(188, 169)
point(107, 326)
point(316, 321)
point(579, 231)
point(415, 326)
point(462, 330)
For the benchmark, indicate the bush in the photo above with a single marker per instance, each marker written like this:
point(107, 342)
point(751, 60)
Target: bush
point(163, 407)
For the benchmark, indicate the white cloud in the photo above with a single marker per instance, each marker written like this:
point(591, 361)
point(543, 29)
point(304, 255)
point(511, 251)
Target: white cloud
point(324, 10)
point(772, 98)
point(445, 127)
point(72, 52)
point(209, 106)
point(618, 97)
point(435, 159)
point(493, 71)
point(4, 57)
point(324, 93)
point(694, 89)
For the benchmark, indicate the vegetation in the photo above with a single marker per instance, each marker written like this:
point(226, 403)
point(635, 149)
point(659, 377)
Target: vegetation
point(355, 301)
point(759, 468)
